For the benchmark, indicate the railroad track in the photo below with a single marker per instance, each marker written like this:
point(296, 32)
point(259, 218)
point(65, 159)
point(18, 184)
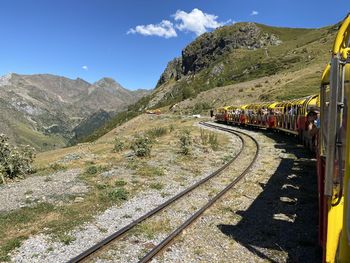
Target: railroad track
point(97, 248)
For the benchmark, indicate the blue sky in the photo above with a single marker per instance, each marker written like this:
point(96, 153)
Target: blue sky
point(127, 40)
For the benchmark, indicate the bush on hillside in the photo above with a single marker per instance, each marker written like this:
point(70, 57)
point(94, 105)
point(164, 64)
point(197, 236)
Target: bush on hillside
point(119, 145)
point(157, 132)
point(204, 137)
point(185, 142)
point(14, 162)
point(141, 146)
point(213, 141)
point(199, 107)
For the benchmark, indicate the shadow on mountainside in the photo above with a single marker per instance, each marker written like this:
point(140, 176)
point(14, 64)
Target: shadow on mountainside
point(284, 216)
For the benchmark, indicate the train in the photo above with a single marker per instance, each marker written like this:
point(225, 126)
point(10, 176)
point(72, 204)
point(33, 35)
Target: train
point(320, 122)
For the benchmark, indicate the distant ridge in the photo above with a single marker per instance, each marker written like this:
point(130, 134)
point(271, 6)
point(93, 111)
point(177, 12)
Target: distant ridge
point(237, 64)
point(43, 109)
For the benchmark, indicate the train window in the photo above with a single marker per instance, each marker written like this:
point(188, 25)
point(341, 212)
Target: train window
point(324, 117)
point(336, 129)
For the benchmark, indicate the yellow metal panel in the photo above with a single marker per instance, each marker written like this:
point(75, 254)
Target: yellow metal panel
point(340, 43)
point(272, 105)
point(325, 74)
point(344, 242)
point(313, 102)
point(334, 227)
point(347, 72)
point(301, 101)
point(231, 108)
point(221, 109)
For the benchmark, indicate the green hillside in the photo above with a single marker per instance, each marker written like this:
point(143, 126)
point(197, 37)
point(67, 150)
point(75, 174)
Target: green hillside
point(240, 53)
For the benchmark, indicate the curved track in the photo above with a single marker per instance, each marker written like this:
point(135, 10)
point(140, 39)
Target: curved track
point(118, 234)
point(161, 246)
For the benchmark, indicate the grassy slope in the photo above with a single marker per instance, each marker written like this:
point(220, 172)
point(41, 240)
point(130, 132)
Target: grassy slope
point(303, 52)
point(300, 49)
point(144, 173)
point(21, 132)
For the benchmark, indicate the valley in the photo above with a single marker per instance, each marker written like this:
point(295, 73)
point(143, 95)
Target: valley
point(102, 161)
point(44, 110)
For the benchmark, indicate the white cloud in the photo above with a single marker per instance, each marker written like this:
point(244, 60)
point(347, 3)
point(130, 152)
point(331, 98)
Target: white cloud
point(196, 21)
point(254, 13)
point(85, 67)
point(163, 29)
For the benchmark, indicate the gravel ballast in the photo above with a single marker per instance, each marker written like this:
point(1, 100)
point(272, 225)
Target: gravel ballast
point(270, 216)
point(256, 221)
point(36, 189)
point(44, 248)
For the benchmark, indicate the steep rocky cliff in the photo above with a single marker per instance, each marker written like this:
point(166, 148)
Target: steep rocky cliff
point(209, 47)
point(235, 64)
point(238, 53)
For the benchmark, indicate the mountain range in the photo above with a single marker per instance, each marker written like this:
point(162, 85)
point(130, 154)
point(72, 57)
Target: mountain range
point(234, 64)
point(42, 109)
point(237, 64)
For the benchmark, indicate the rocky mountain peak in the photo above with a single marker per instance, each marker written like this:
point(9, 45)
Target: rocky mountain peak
point(109, 85)
point(5, 80)
point(209, 47)
point(107, 82)
point(46, 104)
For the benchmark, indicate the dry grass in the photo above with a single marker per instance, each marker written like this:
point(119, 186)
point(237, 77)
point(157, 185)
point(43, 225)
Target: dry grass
point(142, 174)
point(151, 229)
point(282, 85)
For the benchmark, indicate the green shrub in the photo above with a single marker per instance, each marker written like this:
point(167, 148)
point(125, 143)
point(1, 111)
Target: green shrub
point(66, 239)
point(119, 145)
point(204, 137)
point(185, 142)
point(57, 167)
point(120, 183)
point(157, 186)
point(213, 141)
point(157, 132)
point(200, 106)
point(141, 146)
point(92, 169)
point(14, 162)
point(150, 171)
point(171, 127)
point(102, 186)
point(118, 194)
point(187, 92)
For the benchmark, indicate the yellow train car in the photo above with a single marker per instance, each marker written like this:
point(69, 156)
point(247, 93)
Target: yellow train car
point(221, 114)
point(334, 151)
point(321, 120)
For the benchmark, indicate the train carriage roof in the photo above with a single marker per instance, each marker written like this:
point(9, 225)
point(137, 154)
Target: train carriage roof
point(232, 107)
point(223, 108)
point(341, 44)
point(272, 105)
point(313, 103)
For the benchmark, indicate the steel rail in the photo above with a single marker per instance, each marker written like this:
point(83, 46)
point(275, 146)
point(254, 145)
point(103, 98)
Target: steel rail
point(99, 246)
point(161, 246)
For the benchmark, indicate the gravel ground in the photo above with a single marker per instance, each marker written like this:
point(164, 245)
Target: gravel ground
point(32, 190)
point(43, 248)
point(269, 217)
point(133, 246)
